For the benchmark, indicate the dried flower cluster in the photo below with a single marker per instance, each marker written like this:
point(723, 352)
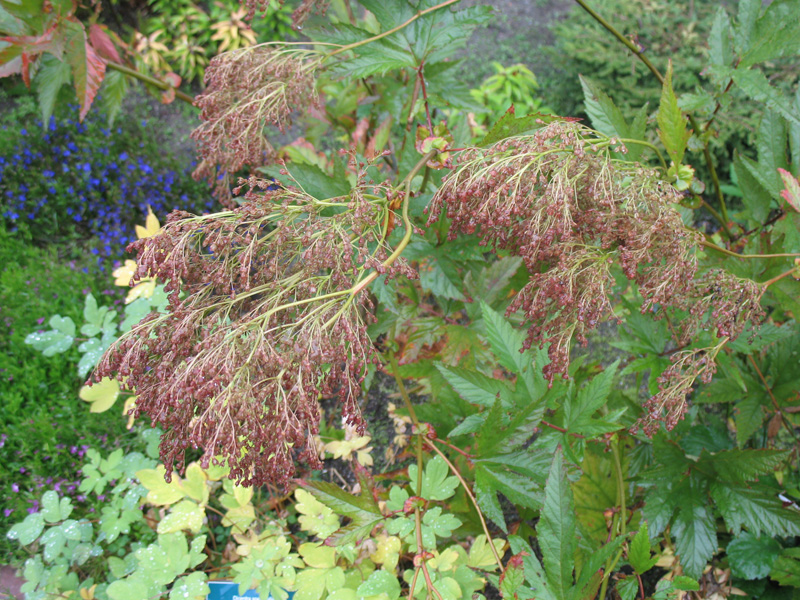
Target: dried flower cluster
point(558, 200)
point(299, 15)
point(246, 90)
point(264, 319)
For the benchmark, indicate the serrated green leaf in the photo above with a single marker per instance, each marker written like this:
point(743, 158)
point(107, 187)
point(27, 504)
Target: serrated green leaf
point(755, 507)
point(606, 117)
point(504, 340)
point(786, 569)
point(719, 40)
point(50, 77)
point(672, 129)
point(472, 386)
point(439, 275)
point(748, 418)
point(534, 573)
point(185, 515)
point(756, 85)
point(755, 195)
point(752, 557)
point(362, 511)
point(746, 20)
point(745, 465)
point(556, 529)
point(315, 182)
point(112, 93)
point(509, 126)
point(193, 585)
point(694, 532)
point(639, 553)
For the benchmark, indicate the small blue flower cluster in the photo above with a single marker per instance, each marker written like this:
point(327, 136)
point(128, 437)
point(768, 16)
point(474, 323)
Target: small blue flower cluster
point(73, 180)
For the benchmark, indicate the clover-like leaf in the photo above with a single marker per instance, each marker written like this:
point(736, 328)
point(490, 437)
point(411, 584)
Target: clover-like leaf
point(436, 485)
point(185, 515)
point(101, 396)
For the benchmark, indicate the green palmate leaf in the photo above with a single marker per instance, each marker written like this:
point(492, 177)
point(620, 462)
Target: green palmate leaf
point(578, 413)
point(671, 123)
point(557, 528)
point(362, 511)
point(695, 533)
point(755, 507)
point(639, 552)
point(512, 577)
point(52, 75)
point(591, 574)
point(756, 85)
point(436, 482)
point(28, 530)
point(192, 585)
point(87, 67)
point(472, 386)
point(752, 557)
point(493, 477)
point(491, 282)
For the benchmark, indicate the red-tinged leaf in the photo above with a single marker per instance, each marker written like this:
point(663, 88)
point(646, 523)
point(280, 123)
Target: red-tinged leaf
point(87, 67)
point(167, 96)
point(174, 80)
point(100, 41)
point(50, 41)
point(792, 192)
point(10, 61)
point(26, 69)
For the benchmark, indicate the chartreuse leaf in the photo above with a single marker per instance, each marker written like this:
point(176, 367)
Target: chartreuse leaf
point(557, 529)
point(101, 396)
point(671, 123)
point(160, 493)
point(639, 551)
point(185, 515)
point(752, 557)
point(193, 585)
point(315, 518)
point(53, 509)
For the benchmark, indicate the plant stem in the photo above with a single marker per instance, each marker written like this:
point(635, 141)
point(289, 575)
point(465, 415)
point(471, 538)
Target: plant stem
point(646, 145)
point(163, 85)
point(419, 14)
point(716, 248)
point(474, 502)
point(621, 521)
point(777, 278)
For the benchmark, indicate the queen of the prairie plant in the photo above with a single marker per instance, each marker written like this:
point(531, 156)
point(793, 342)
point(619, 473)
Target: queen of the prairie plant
point(265, 317)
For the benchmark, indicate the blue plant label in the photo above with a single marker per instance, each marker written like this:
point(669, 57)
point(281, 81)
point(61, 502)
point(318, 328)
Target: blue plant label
point(229, 590)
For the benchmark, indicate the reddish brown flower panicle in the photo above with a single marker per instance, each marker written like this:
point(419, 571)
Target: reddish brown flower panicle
point(246, 90)
point(262, 322)
point(570, 211)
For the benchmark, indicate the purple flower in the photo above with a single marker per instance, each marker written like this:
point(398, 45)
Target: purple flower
point(15, 488)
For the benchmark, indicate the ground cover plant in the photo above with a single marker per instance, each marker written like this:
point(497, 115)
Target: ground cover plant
point(469, 266)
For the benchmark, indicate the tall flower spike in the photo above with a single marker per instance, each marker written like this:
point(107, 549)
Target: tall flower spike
point(264, 319)
point(247, 89)
point(560, 201)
